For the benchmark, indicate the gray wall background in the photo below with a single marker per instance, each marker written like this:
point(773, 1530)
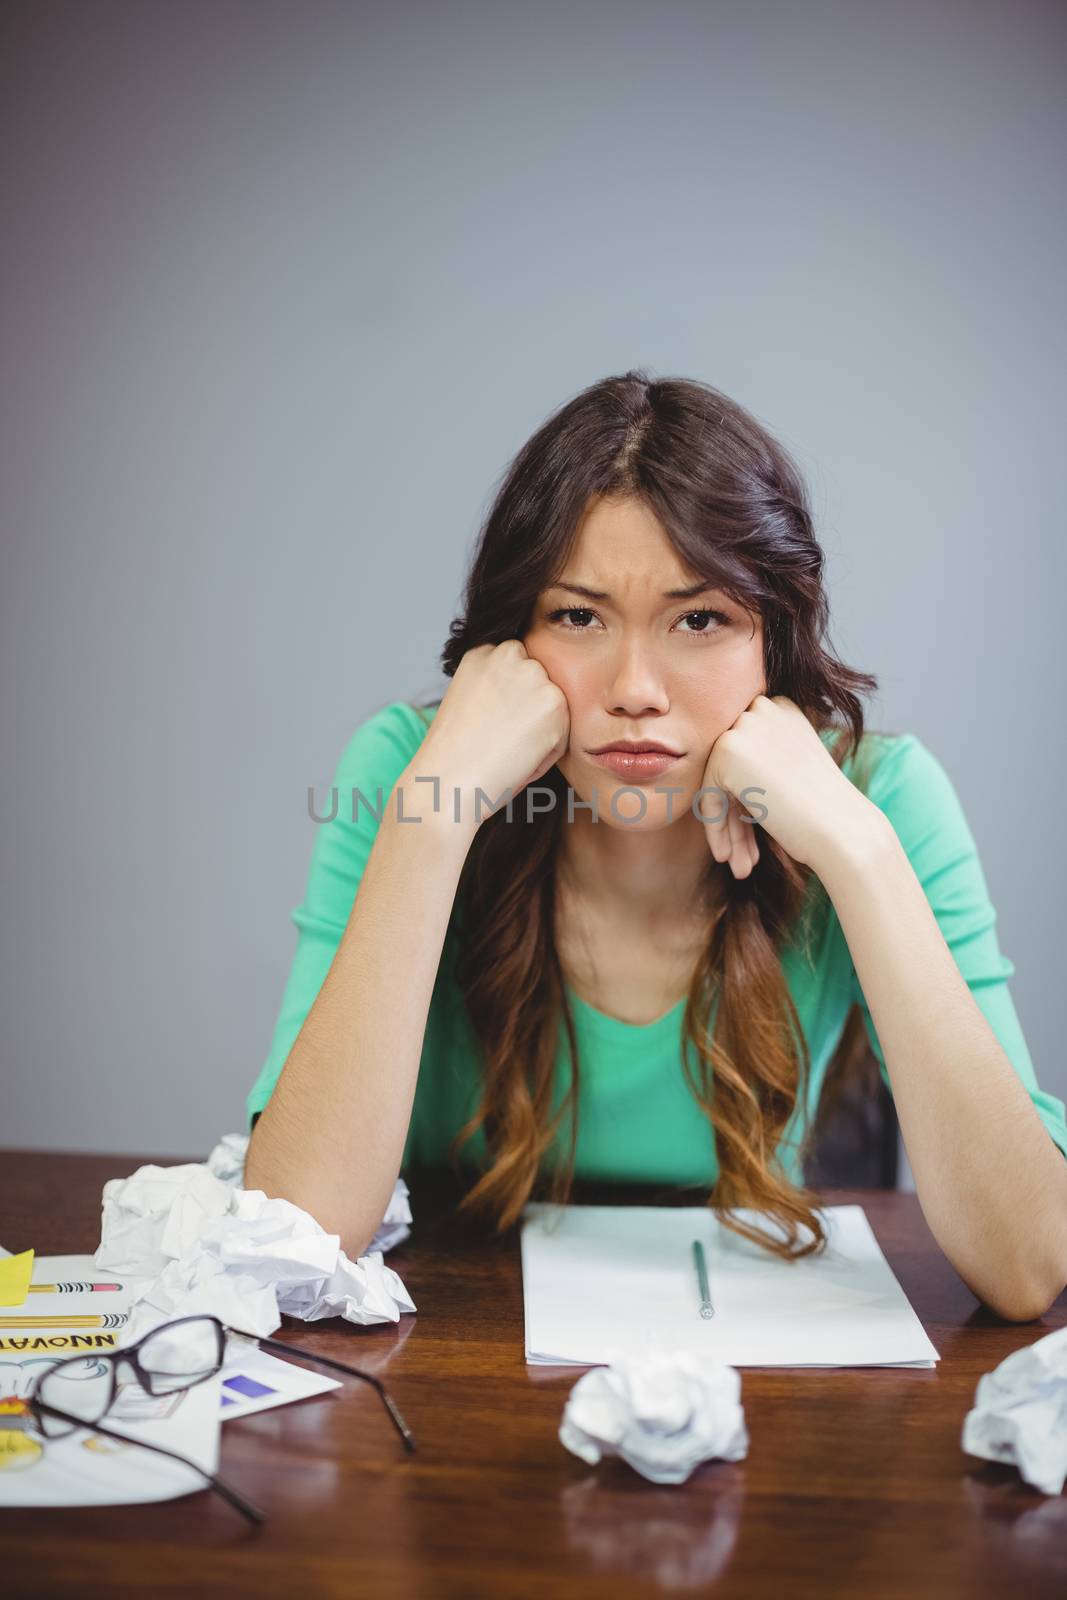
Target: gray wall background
point(285, 286)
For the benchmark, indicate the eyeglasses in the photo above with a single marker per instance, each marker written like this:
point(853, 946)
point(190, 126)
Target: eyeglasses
point(77, 1391)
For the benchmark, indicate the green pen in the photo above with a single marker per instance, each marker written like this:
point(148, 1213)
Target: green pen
point(706, 1307)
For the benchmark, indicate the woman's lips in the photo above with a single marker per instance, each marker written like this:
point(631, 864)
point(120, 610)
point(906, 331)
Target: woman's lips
point(630, 764)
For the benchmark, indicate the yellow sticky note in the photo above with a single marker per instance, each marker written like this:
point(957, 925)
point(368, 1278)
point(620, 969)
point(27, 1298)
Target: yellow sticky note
point(15, 1275)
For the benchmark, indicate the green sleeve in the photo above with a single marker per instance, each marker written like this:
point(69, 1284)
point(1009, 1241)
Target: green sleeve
point(373, 759)
point(915, 792)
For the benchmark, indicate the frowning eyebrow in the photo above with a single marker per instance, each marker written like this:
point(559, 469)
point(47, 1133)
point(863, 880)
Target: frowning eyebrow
point(668, 594)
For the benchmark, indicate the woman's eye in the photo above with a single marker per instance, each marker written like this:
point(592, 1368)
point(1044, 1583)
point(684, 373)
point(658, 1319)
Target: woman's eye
point(571, 611)
point(717, 616)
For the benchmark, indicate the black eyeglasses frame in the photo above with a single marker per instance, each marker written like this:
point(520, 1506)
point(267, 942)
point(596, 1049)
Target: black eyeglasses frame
point(129, 1354)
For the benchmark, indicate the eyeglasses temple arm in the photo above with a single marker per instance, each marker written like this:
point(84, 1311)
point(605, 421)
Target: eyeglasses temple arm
point(241, 1504)
point(338, 1366)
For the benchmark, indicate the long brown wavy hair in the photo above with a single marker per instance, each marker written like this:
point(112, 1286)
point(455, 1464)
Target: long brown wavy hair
point(735, 508)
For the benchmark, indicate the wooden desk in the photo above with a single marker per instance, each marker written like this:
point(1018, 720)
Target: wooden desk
point(854, 1485)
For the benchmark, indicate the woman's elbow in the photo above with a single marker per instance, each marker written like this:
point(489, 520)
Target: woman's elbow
point(1029, 1304)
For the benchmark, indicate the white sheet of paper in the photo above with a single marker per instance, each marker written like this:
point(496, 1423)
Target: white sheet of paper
point(254, 1380)
point(605, 1280)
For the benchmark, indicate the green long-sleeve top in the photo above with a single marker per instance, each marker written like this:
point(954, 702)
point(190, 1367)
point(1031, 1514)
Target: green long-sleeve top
point(637, 1117)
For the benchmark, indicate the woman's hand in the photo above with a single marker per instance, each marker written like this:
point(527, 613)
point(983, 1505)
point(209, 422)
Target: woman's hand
point(501, 725)
point(771, 761)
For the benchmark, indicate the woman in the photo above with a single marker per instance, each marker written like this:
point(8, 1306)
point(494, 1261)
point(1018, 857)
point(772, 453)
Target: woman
point(640, 968)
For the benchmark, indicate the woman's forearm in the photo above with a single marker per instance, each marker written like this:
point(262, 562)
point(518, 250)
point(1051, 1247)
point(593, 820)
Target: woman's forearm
point(331, 1137)
point(991, 1183)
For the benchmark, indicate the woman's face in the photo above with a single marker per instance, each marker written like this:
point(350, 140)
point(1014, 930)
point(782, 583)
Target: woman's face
point(638, 664)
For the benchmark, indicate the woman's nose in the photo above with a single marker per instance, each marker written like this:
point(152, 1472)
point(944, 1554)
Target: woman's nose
point(637, 683)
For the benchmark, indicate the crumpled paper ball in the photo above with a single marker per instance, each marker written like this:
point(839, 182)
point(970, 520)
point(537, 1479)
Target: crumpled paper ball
point(1020, 1413)
point(192, 1241)
point(664, 1413)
